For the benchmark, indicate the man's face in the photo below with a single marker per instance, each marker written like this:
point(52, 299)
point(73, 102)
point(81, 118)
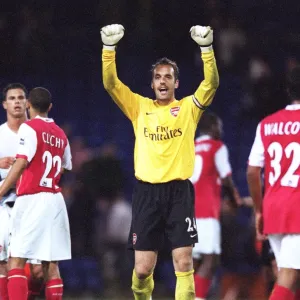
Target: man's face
point(164, 83)
point(15, 103)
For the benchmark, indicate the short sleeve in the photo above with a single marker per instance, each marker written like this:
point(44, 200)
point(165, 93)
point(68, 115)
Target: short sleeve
point(222, 162)
point(67, 158)
point(27, 142)
point(257, 154)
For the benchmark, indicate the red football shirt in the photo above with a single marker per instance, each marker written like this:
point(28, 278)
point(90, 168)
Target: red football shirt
point(46, 148)
point(211, 164)
point(277, 149)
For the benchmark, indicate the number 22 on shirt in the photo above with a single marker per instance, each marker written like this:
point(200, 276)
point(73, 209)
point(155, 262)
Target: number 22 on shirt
point(50, 163)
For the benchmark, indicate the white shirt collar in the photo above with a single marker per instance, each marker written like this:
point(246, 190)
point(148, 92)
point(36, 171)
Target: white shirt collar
point(293, 107)
point(203, 138)
point(48, 120)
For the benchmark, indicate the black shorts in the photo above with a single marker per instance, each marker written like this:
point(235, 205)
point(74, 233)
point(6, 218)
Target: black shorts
point(162, 211)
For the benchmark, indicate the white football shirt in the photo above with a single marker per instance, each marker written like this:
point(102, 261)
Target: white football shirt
point(9, 143)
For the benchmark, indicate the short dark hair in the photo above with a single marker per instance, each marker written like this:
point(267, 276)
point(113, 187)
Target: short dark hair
point(293, 83)
point(166, 62)
point(40, 99)
point(207, 121)
point(13, 86)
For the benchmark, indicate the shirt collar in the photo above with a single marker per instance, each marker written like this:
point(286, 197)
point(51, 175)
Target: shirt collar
point(48, 120)
point(203, 138)
point(293, 107)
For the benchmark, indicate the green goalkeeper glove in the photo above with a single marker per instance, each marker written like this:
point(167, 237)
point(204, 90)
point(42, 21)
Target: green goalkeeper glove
point(203, 36)
point(111, 35)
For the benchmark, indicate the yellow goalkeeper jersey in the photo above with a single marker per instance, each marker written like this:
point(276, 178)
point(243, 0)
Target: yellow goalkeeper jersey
point(164, 135)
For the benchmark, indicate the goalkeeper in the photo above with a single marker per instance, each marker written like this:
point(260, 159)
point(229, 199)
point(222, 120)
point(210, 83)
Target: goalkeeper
point(163, 198)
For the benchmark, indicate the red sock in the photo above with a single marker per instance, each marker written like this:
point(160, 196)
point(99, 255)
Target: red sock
point(202, 286)
point(3, 288)
point(17, 284)
point(280, 293)
point(297, 295)
point(54, 289)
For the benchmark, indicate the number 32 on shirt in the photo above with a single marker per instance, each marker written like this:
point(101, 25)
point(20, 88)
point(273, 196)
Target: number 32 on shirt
point(278, 154)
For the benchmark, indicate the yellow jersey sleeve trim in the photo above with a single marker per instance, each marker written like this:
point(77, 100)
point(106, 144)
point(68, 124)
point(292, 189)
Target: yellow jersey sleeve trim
point(127, 101)
point(198, 104)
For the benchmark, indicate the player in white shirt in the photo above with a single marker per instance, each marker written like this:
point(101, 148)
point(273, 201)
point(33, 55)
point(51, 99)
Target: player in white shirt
point(14, 102)
point(39, 220)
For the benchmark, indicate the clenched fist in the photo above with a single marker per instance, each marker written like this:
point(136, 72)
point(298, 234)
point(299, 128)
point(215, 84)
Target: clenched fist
point(111, 34)
point(202, 35)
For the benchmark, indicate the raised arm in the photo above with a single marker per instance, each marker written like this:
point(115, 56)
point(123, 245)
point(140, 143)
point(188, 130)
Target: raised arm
point(205, 93)
point(120, 93)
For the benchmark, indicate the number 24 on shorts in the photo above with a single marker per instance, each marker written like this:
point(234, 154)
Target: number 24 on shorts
point(191, 224)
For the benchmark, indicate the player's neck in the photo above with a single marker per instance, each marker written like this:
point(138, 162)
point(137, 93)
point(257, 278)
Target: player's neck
point(34, 114)
point(206, 134)
point(15, 123)
point(296, 101)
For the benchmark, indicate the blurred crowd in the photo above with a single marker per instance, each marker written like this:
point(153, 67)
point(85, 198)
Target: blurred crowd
point(57, 43)
point(256, 41)
point(100, 217)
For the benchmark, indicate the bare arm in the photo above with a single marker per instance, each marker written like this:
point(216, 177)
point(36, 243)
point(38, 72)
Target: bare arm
point(255, 164)
point(224, 169)
point(255, 187)
point(231, 190)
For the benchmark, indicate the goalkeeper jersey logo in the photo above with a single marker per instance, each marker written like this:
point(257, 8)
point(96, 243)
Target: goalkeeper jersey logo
point(175, 111)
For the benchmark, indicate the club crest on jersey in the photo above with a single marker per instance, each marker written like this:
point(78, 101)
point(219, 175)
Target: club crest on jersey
point(134, 238)
point(174, 111)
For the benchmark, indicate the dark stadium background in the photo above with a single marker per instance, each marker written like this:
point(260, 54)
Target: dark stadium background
point(56, 44)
